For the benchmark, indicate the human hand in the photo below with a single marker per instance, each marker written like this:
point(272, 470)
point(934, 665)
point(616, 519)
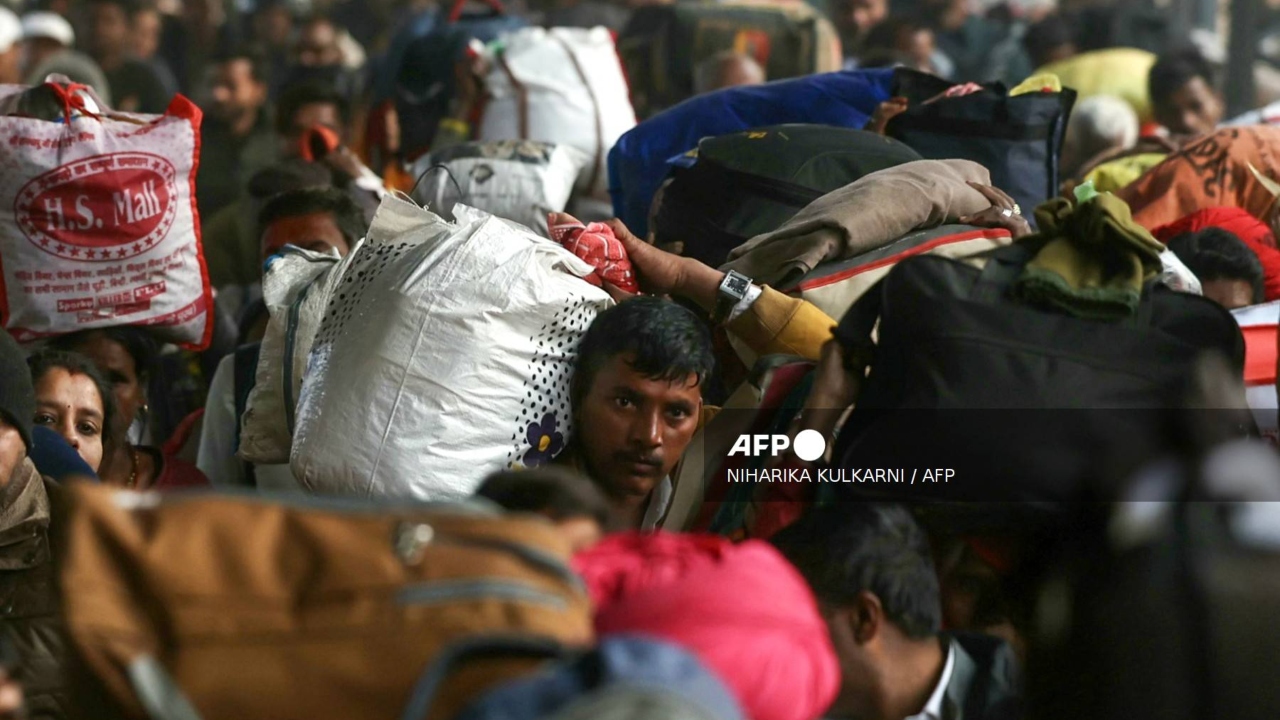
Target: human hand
point(11, 700)
point(886, 111)
point(1003, 213)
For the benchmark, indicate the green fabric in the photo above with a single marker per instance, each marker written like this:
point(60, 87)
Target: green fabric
point(1095, 261)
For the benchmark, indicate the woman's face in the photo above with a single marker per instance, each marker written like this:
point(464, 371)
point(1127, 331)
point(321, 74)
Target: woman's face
point(117, 367)
point(70, 405)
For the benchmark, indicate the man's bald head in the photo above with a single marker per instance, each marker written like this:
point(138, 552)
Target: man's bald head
point(726, 69)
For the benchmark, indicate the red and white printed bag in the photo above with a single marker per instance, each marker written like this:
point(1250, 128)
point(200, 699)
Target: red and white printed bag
point(98, 223)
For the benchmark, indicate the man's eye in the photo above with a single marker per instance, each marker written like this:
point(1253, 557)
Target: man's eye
point(44, 419)
point(678, 413)
point(623, 402)
point(88, 429)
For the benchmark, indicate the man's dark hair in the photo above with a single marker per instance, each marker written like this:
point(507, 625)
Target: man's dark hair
point(137, 342)
point(287, 175)
point(846, 549)
point(347, 215)
point(668, 341)
point(251, 54)
point(1174, 70)
point(128, 7)
point(1047, 35)
point(308, 93)
point(1217, 254)
point(76, 364)
point(557, 492)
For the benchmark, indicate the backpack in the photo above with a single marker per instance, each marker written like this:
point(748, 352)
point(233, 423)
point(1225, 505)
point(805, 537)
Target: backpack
point(1018, 139)
point(1018, 402)
point(424, 79)
point(623, 677)
point(222, 606)
point(663, 44)
point(749, 183)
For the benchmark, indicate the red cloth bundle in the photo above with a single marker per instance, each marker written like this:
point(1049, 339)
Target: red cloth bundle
point(597, 244)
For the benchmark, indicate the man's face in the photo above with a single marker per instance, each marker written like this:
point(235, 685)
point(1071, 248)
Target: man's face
point(109, 34)
point(1230, 294)
point(318, 46)
point(307, 117)
point(855, 18)
point(12, 451)
point(316, 231)
point(236, 92)
point(147, 28)
point(273, 26)
point(632, 429)
point(1195, 109)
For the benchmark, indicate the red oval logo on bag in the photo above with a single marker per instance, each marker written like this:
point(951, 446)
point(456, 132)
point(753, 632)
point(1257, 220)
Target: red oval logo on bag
point(105, 207)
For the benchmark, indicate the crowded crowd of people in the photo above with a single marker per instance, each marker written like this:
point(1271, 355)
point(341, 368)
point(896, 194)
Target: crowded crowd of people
point(319, 120)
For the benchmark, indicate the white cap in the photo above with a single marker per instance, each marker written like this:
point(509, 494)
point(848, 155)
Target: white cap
point(10, 29)
point(48, 25)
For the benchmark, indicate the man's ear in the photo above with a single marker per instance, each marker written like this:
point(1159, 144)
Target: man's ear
point(866, 617)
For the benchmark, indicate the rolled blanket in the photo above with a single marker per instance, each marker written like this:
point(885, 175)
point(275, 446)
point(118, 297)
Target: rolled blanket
point(864, 215)
point(1095, 261)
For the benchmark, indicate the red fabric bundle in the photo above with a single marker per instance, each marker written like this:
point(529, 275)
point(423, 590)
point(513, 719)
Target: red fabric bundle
point(597, 244)
point(742, 609)
point(1239, 222)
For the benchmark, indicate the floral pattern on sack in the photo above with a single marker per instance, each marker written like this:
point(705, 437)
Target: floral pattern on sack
point(543, 427)
point(527, 151)
point(544, 441)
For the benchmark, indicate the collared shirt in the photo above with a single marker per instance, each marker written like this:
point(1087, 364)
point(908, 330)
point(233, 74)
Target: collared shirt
point(933, 708)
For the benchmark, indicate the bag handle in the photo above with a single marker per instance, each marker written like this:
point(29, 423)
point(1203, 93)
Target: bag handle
point(474, 648)
point(455, 13)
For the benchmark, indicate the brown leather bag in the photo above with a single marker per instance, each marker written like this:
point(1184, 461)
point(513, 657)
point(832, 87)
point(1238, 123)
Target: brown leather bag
point(235, 607)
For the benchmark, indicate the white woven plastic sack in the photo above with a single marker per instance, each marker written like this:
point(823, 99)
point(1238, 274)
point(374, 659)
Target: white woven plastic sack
point(563, 86)
point(519, 180)
point(296, 289)
point(98, 225)
point(445, 354)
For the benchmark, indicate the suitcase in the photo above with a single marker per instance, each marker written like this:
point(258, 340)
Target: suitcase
point(663, 44)
point(240, 606)
point(749, 183)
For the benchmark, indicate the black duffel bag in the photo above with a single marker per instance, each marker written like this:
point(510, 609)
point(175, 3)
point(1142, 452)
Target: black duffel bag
point(751, 182)
point(1020, 403)
point(1018, 139)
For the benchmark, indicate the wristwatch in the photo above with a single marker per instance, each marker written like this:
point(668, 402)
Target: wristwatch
point(733, 289)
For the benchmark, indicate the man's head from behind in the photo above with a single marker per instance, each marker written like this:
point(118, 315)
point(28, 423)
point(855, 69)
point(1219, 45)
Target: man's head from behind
point(317, 219)
point(871, 569)
point(854, 19)
point(1230, 273)
point(1183, 94)
point(569, 500)
point(725, 70)
point(637, 393)
point(1098, 124)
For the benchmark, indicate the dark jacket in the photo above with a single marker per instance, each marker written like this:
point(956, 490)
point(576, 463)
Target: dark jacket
point(30, 617)
point(985, 681)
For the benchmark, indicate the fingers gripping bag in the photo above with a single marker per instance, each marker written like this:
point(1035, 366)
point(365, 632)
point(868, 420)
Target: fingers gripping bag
point(98, 224)
point(445, 353)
